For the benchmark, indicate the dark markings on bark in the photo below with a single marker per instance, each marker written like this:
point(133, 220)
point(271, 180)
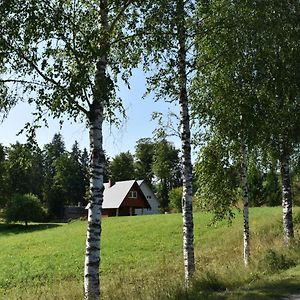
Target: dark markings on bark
point(187, 207)
point(287, 204)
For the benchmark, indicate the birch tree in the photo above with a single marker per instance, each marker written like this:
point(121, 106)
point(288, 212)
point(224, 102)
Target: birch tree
point(280, 86)
point(224, 97)
point(169, 26)
point(253, 46)
point(65, 58)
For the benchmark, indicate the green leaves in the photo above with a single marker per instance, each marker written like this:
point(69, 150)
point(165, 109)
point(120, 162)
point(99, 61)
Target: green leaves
point(217, 179)
point(56, 45)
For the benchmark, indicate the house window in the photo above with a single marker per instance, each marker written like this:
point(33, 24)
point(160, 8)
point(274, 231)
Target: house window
point(132, 194)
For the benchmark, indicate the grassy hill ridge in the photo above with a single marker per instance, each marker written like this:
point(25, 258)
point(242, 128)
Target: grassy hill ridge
point(142, 259)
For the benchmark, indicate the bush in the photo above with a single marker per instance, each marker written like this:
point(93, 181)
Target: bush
point(24, 208)
point(175, 196)
point(55, 203)
point(210, 282)
point(273, 262)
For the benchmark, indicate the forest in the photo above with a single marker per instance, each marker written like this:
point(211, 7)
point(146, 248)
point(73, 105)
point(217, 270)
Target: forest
point(232, 67)
point(58, 177)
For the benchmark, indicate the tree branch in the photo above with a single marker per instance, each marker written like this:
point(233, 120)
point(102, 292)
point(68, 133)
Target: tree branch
point(119, 15)
point(21, 54)
point(22, 81)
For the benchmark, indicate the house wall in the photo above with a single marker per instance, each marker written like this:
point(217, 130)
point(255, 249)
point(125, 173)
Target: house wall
point(151, 198)
point(138, 202)
point(108, 212)
point(129, 204)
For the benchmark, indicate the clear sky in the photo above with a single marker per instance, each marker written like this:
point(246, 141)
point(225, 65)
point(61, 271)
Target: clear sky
point(138, 124)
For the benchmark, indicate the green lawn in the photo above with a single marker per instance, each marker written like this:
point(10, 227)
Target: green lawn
point(142, 259)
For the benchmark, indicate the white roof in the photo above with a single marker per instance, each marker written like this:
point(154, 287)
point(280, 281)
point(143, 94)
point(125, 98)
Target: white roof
point(113, 196)
point(139, 182)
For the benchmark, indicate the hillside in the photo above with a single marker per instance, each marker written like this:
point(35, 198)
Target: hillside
point(141, 259)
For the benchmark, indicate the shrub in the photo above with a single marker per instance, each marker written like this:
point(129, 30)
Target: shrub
point(55, 203)
point(24, 208)
point(175, 196)
point(274, 262)
point(210, 282)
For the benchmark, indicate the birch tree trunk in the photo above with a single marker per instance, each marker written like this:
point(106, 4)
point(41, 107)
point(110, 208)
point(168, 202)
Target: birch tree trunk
point(246, 231)
point(287, 210)
point(187, 205)
point(97, 163)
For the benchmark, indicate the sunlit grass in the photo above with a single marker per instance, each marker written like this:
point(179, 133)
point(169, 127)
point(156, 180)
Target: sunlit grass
point(142, 259)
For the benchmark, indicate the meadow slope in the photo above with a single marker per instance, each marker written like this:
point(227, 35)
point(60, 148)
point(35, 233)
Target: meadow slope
point(142, 259)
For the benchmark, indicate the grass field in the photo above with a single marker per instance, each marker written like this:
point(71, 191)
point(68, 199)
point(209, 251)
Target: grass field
point(142, 259)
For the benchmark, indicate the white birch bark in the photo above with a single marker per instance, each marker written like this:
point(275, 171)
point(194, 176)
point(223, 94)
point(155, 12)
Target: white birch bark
point(92, 255)
point(246, 231)
point(187, 205)
point(287, 209)
point(97, 163)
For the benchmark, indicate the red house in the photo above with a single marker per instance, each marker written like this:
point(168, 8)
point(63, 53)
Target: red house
point(122, 198)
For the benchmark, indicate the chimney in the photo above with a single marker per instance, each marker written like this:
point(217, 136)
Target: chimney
point(110, 182)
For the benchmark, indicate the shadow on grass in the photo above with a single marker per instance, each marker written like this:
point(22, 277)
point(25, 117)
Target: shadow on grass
point(275, 289)
point(7, 229)
point(281, 289)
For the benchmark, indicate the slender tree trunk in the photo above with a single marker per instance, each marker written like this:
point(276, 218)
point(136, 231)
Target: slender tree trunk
point(187, 205)
point(287, 213)
point(97, 164)
point(246, 231)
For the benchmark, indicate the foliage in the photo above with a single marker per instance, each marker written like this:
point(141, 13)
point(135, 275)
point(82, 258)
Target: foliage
point(247, 66)
point(175, 199)
point(52, 151)
point(217, 179)
point(163, 22)
point(273, 262)
point(69, 179)
point(122, 167)
point(55, 203)
point(144, 152)
point(255, 182)
point(24, 208)
point(24, 169)
point(56, 176)
point(3, 181)
point(271, 188)
point(66, 177)
point(166, 168)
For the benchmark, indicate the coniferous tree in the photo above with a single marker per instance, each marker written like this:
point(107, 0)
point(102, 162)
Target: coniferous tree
point(166, 168)
point(53, 196)
point(144, 152)
point(3, 179)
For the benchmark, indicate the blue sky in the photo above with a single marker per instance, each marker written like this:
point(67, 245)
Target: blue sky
point(137, 125)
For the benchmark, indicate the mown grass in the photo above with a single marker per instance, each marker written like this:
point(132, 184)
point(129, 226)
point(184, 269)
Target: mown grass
point(142, 259)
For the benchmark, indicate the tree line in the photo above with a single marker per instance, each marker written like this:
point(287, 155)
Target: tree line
point(59, 177)
point(55, 176)
point(231, 66)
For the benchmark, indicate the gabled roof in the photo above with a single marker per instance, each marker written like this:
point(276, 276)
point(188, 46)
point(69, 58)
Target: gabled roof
point(113, 196)
point(139, 182)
